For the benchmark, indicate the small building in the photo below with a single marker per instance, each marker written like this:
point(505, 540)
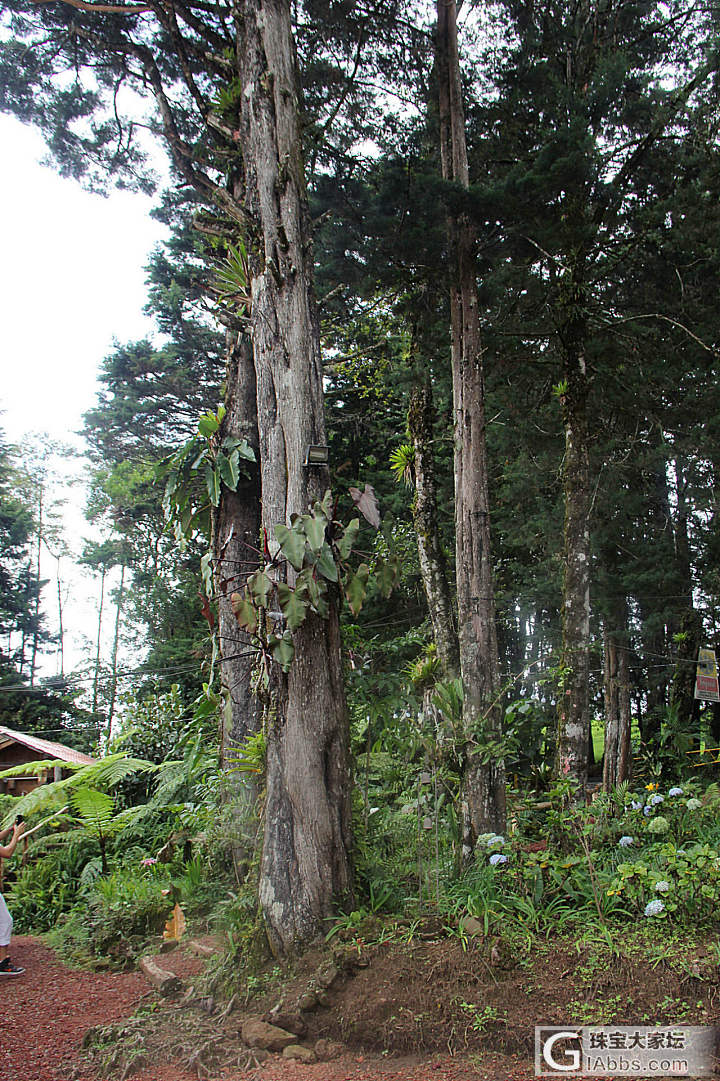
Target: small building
point(17, 748)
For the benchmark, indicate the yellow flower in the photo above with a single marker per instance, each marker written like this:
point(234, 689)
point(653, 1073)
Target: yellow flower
point(651, 787)
point(611, 892)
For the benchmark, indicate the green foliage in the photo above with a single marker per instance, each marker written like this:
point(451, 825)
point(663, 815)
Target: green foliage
point(318, 548)
point(209, 455)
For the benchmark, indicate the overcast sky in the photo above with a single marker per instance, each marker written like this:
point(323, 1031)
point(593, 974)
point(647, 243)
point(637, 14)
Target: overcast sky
point(71, 283)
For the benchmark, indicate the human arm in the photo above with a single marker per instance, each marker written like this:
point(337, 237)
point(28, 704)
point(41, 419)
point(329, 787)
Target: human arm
point(8, 849)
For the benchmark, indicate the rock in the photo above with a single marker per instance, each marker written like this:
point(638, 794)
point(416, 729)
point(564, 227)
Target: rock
point(323, 998)
point(327, 1050)
point(302, 1054)
point(287, 1020)
point(168, 945)
point(308, 1000)
point(257, 1033)
point(471, 926)
point(201, 948)
point(327, 974)
point(167, 983)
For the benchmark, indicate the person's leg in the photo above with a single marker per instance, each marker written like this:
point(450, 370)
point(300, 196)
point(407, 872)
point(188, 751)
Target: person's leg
point(6, 926)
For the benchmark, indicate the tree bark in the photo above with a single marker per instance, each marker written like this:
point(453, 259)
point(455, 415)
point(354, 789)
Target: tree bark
point(573, 711)
point(306, 870)
point(616, 759)
point(483, 784)
point(236, 554)
point(116, 643)
point(236, 550)
point(433, 565)
point(98, 647)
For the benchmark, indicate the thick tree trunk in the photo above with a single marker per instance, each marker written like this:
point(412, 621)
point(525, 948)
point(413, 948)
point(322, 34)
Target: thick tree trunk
point(237, 552)
point(616, 759)
point(682, 695)
point(306, 868)
point(433, 565)
point(98, 649)
point(483, 784)
point(116, 645)
point(573, 711)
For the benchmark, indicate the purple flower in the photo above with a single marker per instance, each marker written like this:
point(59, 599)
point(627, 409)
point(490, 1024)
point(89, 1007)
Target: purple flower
point(636, 805)
point(148, 861)
point(657, 798)
point(626, 841)
point(675, 791)
point(496, 858)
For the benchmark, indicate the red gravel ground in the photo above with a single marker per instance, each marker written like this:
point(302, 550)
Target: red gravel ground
point(47, 1012)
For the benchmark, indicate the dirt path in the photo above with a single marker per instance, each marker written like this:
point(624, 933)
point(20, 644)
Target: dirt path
point(47, 1012)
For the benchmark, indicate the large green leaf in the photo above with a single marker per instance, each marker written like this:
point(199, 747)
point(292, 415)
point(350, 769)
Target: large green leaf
point(212, 482)
point(315, 527)
point(260, 585)
point(95, 808)
point(326, 564)
point(292, 605)
point(346, 543)
point(282, 650)
point(245, 613)
point(292, 545)
point(229, 469)
point(356, 588)
point(208, 424)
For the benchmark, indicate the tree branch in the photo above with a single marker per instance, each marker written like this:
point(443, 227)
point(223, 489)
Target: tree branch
point(103, 9)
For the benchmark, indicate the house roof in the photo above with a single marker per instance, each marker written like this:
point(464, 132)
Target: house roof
point(45, 747)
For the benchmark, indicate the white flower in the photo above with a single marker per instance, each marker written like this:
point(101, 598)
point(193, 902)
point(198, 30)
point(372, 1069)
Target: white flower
point(625, 841)
point(654, 908)
point(675, 791)
point(662, 887)
point(496, 858)
point(693, 804)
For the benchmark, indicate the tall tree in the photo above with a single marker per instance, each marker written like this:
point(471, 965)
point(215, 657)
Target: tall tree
point(483, 797)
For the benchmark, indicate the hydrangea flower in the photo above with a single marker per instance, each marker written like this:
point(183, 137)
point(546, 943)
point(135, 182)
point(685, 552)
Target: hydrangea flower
point(647, 811)
point(496, 858)
point(693, 804)
point(148, 861)
point(636, 805)
point(658, 825)
point(675, 791)
point(654, 908)
point(657, 798)
point(625, 841)
point(662, 887)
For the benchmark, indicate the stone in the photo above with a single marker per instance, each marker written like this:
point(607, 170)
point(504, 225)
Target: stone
point(327, 1050)
point(168, 945)
point(287, 1020)
point(167, 983)
point(327, 974)
point(302, 1054)
point(201, 948)
point(471, 926)
point(257, 1033)
point(307, 1000)
point(323, 998)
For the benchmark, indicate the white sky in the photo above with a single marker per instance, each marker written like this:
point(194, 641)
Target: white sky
point(71, 283)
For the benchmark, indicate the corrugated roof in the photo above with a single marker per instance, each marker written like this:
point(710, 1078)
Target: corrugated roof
point(46, 747)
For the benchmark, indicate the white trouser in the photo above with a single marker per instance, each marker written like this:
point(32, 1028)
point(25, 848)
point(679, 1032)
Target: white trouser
point(6, 923)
